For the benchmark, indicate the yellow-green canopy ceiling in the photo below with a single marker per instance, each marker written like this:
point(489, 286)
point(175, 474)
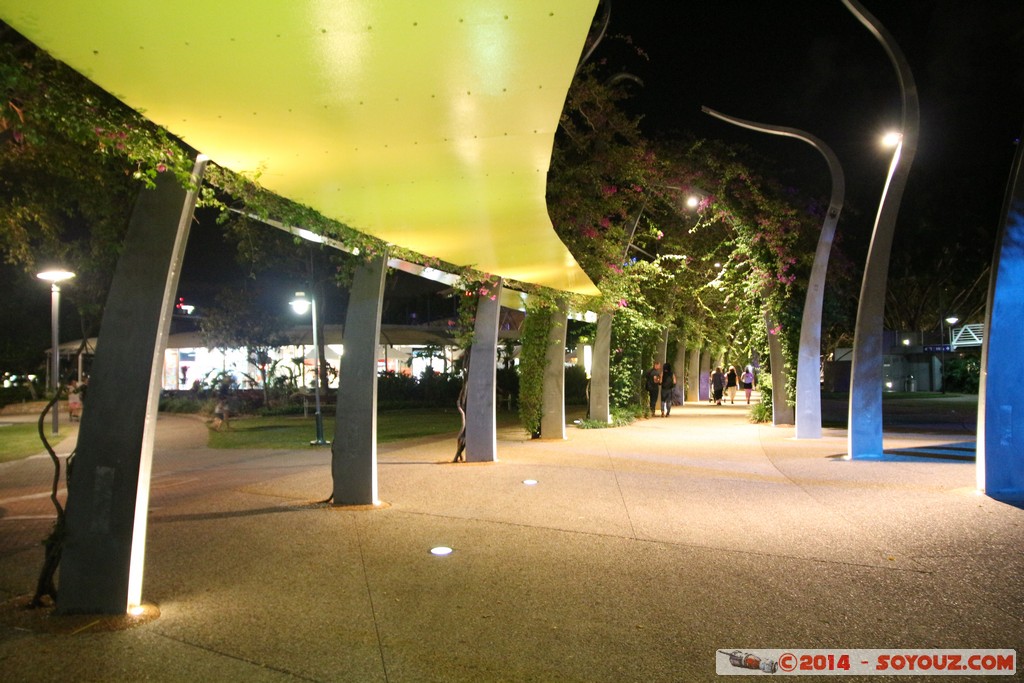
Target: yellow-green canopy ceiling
point(426, 123)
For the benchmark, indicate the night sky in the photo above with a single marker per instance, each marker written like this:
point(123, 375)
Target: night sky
point(813, 66)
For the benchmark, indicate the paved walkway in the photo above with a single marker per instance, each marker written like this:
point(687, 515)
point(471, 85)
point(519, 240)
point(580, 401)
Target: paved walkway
point(637, 555)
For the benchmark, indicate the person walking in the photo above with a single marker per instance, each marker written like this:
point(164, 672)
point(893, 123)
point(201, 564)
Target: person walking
point(652, 382)
point(731, 383)
point(717, 385)
point(668, 383)
point(747, 381)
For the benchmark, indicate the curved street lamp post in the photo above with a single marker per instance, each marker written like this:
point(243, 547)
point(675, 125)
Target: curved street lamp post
point(865, 409)
point(300, 304)
point(808, 383)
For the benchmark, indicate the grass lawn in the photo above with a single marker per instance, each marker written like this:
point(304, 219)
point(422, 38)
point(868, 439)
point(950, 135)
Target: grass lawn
point(297, 431)
point(22, 440)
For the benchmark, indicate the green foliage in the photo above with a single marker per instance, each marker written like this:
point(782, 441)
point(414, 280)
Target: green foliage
point(292, 432)
point(22, 440)
point(533, 361)
point(508, 385)
point(635, 335)
point(620, 418)
point(16, 394)
point(189, 405)
point(761, 413)
point(575, 385)
point(599, 172)
point(962, 375)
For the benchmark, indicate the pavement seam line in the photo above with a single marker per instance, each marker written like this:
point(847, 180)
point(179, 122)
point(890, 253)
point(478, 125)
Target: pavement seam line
point(237, 658)
point(369, 596)
point(618, 485)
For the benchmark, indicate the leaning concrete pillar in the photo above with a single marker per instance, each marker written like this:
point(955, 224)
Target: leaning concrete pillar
point(704, 380)
point(481, 392)
point(1000, 462)
point(679, 360)
point(693, 377)
point(600, 374)
point(552, 421)
point(661, 353)
point(782, 412)
point(108, 498)
point(354, 451)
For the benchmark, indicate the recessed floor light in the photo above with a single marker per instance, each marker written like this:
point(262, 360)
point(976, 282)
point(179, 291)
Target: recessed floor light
point(441, 551)
point(530, 482)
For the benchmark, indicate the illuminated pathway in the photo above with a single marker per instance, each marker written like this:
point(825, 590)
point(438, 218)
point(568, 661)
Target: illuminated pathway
point(637, 554)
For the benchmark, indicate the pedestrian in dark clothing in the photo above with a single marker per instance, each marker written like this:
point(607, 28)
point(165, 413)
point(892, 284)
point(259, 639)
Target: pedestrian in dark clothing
point(731, 383)
point(668, 383)
point(717, 385)
point(652, 382)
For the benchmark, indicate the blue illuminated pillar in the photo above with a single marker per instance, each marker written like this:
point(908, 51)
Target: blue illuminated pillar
point(1000, 464)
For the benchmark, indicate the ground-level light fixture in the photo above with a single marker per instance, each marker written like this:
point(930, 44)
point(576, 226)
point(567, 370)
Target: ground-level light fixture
point(55, 276)
point(441, 551)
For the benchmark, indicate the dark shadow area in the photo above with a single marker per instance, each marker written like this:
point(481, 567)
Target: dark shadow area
point(965, 451)
point(952, 414)
point(234, 513)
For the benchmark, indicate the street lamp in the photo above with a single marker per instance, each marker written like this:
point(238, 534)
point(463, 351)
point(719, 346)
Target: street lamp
point(55, 276)
point(300, 304)
point(950, 321)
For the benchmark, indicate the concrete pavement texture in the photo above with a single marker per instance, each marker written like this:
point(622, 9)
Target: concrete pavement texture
point(638, 554)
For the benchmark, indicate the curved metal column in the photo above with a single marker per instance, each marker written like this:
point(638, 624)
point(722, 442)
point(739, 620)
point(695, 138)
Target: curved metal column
point(1000, 463)
point(865, 413)
point(808, 383)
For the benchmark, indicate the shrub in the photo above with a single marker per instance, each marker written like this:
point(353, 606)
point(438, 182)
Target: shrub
point(962, 375)
point(575, 385)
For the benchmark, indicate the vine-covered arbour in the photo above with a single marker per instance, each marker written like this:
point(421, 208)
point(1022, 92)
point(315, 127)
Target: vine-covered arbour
point(710, 270)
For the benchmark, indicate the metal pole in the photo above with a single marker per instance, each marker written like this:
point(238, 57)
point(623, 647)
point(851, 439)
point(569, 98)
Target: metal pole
point(865, 410)
point(942, 355)
point(316, 387)
point(808, 368)
point(55, 346)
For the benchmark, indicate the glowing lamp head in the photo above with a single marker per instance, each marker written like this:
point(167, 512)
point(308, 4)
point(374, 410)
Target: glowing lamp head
point(892, 138)
point(300, 304)
point(952, 320)
point(55, 275)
